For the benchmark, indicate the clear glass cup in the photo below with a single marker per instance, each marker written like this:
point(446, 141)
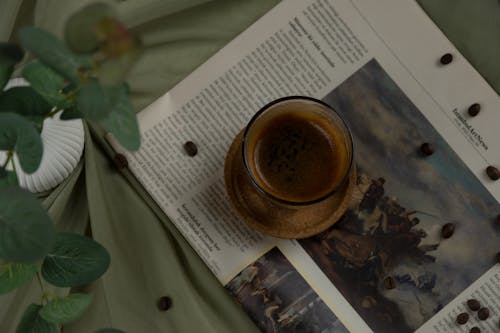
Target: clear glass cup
point(297, 151)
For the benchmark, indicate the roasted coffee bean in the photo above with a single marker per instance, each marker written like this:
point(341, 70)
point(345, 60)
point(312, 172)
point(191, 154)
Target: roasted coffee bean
point(190, 148)
point(389, 283)
point(473, 304)
point(475, 329)
point(483, 313)
point(474, 109)
point(427, 149)
point(164, 303)
point(448, 230)
point(446, 59)
point(462, 318)
point(493, 172)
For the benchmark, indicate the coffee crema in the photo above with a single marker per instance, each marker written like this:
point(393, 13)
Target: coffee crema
point(297, 156)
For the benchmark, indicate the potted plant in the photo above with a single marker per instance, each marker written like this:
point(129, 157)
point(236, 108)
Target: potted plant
point(80, 77)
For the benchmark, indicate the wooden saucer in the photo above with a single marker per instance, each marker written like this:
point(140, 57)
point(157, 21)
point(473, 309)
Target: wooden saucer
point(277, 219)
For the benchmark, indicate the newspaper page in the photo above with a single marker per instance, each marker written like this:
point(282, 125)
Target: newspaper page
point(385, 266)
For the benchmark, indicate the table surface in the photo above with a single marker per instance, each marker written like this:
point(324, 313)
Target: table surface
point(149, 257)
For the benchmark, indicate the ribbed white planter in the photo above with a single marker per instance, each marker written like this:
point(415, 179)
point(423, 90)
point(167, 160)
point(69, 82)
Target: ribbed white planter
point(63, 142)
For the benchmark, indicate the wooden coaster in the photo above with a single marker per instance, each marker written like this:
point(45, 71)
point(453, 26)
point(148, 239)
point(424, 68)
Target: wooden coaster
point(277, 219)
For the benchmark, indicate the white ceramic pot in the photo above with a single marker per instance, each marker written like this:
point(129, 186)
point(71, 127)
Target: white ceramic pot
point(63, 142)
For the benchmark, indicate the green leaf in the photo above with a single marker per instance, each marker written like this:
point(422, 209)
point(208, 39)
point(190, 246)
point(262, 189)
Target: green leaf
point(52, 52)
point(47, 83)
point(80, 29)
point(18, 134)
point(31, 322)
point(109, 330)
point(7, 177)
point(74, 261)
point(26, 231)
point(67, 309)
point(10, 54)
point(26, 102)
point(122, 121)
point(13, 276)
point(114, 70)
point(92, 101)
point(71, 113)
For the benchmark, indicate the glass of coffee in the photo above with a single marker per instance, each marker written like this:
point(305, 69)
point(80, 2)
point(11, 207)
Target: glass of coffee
point(297, 151)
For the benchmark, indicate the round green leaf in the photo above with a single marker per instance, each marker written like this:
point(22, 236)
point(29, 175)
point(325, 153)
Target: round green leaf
point(13, 276)
point(52, 52)
point(26, 102)
point(67, 309)
point(26, 231)
point(122, 121)
point(31, 322)
point(114, 70)
point(7, 177)
point(10, 54)
point(92, 101)
point(46, 82)
point(18, 134)
point(80, 28)
point(75, 260)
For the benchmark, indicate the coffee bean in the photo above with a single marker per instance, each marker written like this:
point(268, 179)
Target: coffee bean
point(474, 109)
point(483, 313)
point(389, 283)
point(190, 148)
point(427, 149)
point(448, 230)
point(462, 318)
point(493, 172)
point(120, 161)
point(164, 303)
point(475, 329)
point(446, 59)
point(473, 304)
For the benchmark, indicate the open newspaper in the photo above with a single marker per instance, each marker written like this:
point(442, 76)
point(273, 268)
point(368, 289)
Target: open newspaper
point(384, 267)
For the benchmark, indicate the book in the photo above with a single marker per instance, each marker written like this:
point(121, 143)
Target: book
point(384, 267)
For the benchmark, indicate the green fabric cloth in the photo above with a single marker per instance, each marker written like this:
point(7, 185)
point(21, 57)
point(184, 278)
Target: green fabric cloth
point(150, 259)
point(474, 28)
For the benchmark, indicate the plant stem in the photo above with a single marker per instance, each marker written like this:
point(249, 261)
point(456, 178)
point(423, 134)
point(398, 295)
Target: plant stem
point(42, 289)
point(71, 96)
point(40, 282)
point(52, 113)
point(10, 154)
point(13, 165)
